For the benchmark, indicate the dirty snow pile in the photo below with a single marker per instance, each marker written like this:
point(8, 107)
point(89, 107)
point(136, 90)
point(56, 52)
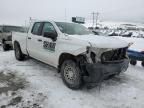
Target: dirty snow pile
point(31, 84)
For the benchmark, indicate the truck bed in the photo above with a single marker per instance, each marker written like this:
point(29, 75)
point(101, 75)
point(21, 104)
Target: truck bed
point(21, 38)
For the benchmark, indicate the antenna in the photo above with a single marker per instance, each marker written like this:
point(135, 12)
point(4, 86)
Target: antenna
point(65, 15)
point(25, 25)
point(65, 19)
point(30, 19)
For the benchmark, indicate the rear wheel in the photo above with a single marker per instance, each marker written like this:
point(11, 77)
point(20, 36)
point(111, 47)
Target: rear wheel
point(71, 74)
point(133, 62)
point(18, 53)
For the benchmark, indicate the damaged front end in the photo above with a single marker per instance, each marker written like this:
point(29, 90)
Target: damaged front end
point(102, 63)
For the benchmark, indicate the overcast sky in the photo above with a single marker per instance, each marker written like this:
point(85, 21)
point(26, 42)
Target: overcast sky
point(17, 11)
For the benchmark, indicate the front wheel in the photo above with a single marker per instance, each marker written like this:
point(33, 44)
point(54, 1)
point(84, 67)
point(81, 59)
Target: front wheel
point(18, 53)
point(71, 74)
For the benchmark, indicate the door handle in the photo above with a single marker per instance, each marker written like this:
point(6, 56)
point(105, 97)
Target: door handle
point(29, 37)
point(39, 40)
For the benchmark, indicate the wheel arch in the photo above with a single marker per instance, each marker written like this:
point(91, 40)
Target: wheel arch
point(66, 56)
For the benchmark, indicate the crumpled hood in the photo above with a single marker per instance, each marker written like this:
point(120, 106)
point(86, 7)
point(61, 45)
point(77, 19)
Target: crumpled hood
point(102, 41)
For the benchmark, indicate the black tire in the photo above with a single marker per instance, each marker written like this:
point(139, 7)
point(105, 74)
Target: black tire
point(71, 74)
point(142, 63)
point(133, 62)
point(18, 53)
point(5, 46)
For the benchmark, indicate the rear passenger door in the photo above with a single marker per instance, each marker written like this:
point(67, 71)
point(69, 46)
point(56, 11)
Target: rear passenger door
point(34, 41)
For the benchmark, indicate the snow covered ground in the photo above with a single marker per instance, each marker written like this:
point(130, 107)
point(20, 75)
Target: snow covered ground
point(42, 87)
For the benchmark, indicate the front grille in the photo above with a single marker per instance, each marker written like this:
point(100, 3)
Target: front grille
point(114, 55)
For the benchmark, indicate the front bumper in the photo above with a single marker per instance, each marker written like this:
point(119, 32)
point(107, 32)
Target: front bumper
point(98, 72)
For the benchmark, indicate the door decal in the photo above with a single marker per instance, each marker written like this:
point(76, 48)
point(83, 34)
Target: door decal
point(49, 45)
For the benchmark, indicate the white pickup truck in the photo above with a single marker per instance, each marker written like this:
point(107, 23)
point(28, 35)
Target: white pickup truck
point(80, 56)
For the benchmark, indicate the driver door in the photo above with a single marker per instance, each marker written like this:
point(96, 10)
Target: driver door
point(49, 46)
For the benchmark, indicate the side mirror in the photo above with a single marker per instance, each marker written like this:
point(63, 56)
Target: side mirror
point(51, 35)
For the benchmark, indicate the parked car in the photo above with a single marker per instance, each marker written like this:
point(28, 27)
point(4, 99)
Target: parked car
point(127, 34)
point(136, 56)
point(113, 34)
point(79, 55)
point(98, 32)
point(6, 35)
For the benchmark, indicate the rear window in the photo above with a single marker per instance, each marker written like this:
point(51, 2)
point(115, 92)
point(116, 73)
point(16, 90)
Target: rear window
point(36, 28)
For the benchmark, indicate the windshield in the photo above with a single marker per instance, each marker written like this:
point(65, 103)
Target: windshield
point(73, 29)
point(13, 28)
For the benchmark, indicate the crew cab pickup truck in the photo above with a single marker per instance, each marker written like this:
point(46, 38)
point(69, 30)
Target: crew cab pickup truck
point(6, 35)
point(80, 56)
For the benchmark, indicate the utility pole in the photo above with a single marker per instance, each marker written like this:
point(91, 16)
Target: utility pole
point(95, 16)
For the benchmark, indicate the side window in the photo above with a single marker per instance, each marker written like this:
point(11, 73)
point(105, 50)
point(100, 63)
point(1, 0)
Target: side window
point(1, 29)
point(36, 28)
point(48, 27)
